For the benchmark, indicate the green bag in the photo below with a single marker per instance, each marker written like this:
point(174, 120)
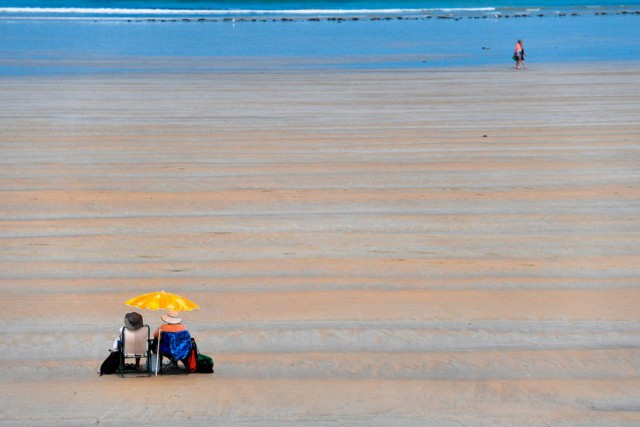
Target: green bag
point(515, 57)
point(204, 364)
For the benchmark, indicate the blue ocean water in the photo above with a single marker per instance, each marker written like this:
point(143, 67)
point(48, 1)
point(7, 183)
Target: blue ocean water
point(50, 37)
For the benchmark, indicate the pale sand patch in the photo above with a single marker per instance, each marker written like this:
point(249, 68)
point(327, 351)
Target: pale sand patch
point(425, 247)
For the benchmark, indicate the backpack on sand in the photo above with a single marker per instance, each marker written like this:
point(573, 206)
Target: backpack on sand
point(198, 362)
point(110, 364)
point(204, 364)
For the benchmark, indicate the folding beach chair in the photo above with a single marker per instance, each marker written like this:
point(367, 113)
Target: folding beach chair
point(176, 346)
point(135, 344)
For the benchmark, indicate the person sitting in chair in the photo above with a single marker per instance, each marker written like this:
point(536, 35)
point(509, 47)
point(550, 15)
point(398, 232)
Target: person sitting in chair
point(132, 321)
point(172, 325)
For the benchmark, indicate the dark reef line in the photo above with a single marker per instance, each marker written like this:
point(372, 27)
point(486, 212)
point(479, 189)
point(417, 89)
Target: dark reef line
point(379, 18)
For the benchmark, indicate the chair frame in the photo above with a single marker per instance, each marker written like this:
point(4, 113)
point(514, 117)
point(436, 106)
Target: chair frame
point(145, 354)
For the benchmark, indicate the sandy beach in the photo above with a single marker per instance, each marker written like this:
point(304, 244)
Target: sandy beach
point(409, 247)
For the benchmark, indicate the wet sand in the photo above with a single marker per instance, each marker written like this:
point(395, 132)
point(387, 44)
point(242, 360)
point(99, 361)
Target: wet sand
point(419, 247)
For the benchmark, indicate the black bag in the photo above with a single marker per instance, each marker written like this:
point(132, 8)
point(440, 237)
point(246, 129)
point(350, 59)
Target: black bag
point(110, 364)
point(204, 364)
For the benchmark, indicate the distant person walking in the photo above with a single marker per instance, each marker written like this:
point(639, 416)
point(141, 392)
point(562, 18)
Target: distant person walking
point(518, 55)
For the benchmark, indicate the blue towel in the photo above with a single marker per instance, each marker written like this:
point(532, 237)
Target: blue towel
point(176, 344)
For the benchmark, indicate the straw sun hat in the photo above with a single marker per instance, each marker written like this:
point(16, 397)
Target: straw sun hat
point(172, 317)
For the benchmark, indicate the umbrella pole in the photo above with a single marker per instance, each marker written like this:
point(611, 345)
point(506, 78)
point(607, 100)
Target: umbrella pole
point(158, 349)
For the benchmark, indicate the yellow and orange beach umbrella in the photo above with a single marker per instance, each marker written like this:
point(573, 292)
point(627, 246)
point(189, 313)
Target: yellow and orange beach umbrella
point(162, 301)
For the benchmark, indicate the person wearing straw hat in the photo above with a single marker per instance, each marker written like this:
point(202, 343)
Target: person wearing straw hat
point(172, 323)
point(132, 321)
